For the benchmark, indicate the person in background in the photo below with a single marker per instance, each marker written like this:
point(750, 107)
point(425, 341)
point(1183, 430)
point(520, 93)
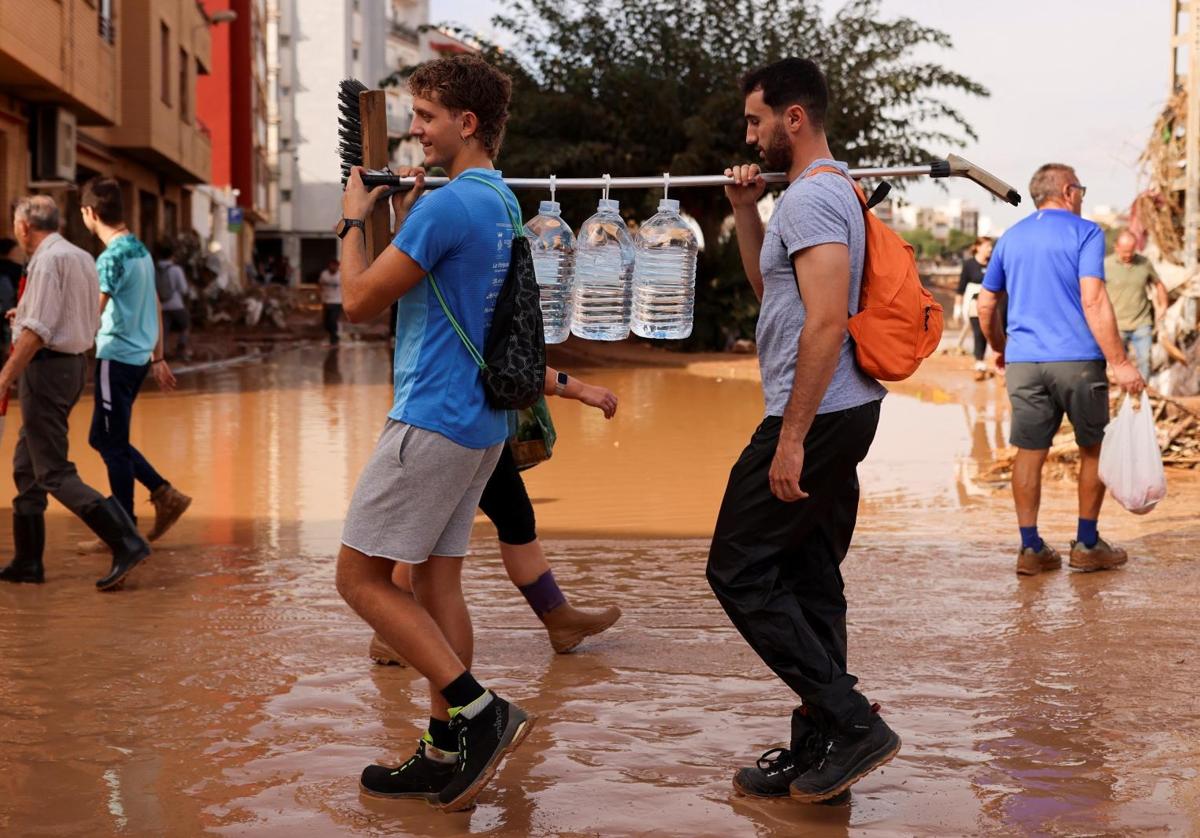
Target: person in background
point(330, 282)
point(10, 282)
point(1130, 278)
point(285, 272)
point(173, 294)
point(1061, 329)
point(970, 283)
point(129, 346)
point(54, 326)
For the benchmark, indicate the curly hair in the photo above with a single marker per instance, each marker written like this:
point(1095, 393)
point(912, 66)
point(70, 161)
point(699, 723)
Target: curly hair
point(468, 83)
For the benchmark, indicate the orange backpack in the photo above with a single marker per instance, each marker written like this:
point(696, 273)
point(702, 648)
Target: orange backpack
point(898, 324)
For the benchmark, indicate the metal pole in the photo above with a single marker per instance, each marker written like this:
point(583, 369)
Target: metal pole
point(952, 166)
point(379, 178)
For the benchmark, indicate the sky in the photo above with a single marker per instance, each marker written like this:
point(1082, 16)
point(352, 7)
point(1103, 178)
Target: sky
point(1071, 81)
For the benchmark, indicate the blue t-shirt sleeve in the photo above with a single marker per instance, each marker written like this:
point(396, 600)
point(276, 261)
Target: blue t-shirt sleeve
point(994, 279)
point(109, 270)
point(434, 229)
point(1091, 253)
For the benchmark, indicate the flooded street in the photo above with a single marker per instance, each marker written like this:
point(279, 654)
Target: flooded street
point(227, 689)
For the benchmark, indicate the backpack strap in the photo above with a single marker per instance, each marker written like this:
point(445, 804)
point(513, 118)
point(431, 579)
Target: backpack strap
point(836, 171)
point(880, 193)
point(518, 230)
point(475, 354)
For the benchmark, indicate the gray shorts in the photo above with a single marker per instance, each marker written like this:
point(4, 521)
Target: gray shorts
point(1042, 393)
point(417, 496)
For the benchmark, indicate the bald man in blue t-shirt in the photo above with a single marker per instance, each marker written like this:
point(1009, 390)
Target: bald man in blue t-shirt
point(1061, 331)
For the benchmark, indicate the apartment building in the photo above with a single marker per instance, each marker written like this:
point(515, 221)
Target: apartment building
point(236, 102)
point(115, 96)
point(318, 45)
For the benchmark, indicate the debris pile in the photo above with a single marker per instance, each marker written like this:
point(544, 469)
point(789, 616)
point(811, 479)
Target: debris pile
point(1177, 423)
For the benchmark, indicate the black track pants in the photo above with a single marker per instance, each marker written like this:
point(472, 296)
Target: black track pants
point(775, 566)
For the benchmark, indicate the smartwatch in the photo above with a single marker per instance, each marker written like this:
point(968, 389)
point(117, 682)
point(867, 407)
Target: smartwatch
point(345, 224)
point(560, 385)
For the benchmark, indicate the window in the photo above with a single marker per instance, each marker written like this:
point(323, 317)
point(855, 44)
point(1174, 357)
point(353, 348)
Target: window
point(183, 85)
point(165, 57)
point(285, 194)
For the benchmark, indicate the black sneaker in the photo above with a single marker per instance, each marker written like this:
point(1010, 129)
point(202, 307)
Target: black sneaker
point(482, 742)
point(771, 778)
point(421, 778)
point(849, 755)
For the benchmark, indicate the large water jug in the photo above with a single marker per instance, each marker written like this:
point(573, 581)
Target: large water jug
point(553, 246)
point(604, 258)
point(664, 279)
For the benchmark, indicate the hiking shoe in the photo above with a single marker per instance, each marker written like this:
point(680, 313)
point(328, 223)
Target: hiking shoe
point(568, 625)
point(771, 778)
point(1100, 556)
point(1031, 562)
point(482, 743)
point(383, 654)
point(169, 505)
point(420, 778)
point(850, 754)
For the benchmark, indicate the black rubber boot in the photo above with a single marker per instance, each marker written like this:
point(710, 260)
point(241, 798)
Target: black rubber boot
point(29, 541)
point(109, 520)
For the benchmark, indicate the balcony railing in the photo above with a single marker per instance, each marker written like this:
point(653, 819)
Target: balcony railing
point(107, 29)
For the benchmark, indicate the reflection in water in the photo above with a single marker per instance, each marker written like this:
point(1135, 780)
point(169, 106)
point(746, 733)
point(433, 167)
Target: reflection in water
point(227, 691)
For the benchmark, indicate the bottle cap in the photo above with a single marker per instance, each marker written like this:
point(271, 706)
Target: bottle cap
point(549, 208)
point(668, 205)
point(609, 205)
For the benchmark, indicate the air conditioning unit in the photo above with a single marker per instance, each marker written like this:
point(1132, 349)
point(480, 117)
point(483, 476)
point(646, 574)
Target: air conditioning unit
point(54, 144)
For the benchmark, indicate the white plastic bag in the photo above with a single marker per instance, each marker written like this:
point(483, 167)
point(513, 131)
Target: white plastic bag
point(1130, 460)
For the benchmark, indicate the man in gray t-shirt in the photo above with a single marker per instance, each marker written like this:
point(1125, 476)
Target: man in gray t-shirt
point(816, 209)
point(790, 507)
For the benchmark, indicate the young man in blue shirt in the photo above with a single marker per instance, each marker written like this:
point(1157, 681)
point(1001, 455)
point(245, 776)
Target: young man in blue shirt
point(129, 345)
point(1061, 330)
point(415, 500)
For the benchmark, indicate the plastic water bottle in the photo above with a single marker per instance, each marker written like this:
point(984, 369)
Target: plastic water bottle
point(664, 279)
point(553, 246)
point(604, 257)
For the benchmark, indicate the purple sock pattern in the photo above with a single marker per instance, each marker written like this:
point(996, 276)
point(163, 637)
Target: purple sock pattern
point(543, 595)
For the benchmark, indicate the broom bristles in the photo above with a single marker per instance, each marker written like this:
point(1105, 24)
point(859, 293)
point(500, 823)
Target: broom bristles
point(349, 126)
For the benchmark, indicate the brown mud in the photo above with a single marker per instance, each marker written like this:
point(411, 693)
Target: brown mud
point(227, 690)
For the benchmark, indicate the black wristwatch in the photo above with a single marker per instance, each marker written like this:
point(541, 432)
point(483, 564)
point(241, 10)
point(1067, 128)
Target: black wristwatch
point(344, 225)
point(560, 385)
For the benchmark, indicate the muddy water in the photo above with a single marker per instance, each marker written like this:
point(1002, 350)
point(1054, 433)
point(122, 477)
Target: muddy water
point(227, 690)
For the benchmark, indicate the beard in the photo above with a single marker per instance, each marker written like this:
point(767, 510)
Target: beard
point(777, 155)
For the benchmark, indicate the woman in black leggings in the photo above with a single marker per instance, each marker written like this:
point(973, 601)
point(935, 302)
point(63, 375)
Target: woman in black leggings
point(506, 503)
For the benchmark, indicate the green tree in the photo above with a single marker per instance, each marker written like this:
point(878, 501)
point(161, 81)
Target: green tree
point(958, 241)
point(923, 242)
point(636, 87)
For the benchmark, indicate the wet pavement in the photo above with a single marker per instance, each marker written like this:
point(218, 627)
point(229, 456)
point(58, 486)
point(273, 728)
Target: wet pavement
point(227, 689)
